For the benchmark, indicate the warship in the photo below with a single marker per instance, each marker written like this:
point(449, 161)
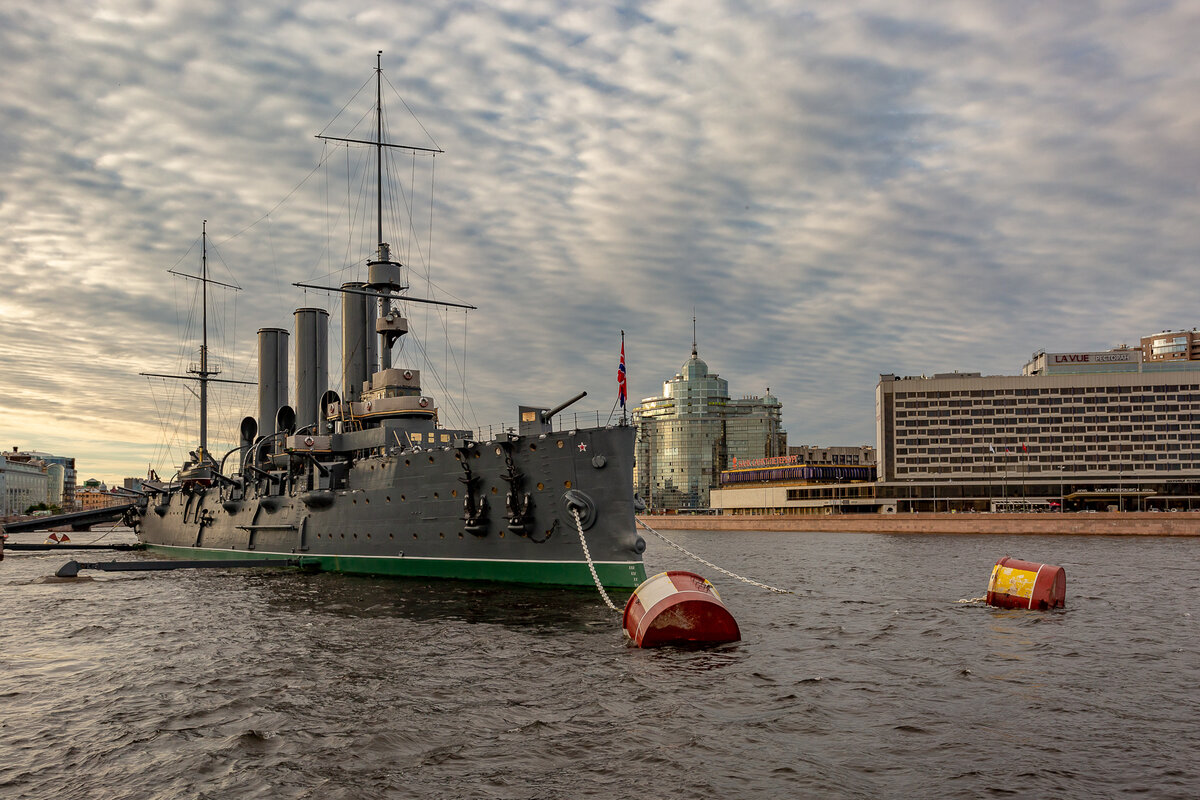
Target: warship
point(364, 478)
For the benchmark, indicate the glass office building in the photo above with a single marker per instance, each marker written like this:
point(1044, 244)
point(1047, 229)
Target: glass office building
point(688, 436)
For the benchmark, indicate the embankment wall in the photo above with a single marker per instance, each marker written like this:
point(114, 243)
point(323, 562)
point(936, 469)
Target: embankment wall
point(1182, 523)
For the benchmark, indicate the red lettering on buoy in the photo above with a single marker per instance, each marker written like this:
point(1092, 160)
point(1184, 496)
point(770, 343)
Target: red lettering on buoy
point(1024, 584)
point(678, 607)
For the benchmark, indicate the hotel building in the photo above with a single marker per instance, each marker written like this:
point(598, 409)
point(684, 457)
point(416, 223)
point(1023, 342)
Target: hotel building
point(1086, 430)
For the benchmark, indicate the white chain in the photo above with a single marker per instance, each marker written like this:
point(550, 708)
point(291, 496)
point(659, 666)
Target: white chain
point(588, 556)
point(714, 566)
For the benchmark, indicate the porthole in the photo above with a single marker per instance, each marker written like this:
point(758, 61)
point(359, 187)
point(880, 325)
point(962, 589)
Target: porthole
point(435, 495)
point(533, 445)
point(501, 534)
point(367, 500)
point(407, 463)
point(541, 486)
point(431, 459)
point(560, 444)
point(387, 498)
point(414, 536)
point(454, 492)
point(441, 535)
point(566, 484)
point(460, 534)
point(499, 451)
point(493, 490)
point(401, 498)
point(391, 536)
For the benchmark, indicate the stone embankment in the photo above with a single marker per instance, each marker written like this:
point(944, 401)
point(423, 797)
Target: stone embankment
point(1180, 523)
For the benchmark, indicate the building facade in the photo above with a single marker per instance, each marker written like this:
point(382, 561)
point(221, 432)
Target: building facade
point(1080, 430)
point(693, 430)
point(22, 484)
point(65, 499)
point(1171, 346)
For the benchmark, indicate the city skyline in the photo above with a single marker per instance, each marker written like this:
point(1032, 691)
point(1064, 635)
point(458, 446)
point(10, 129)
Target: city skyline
point(838, 192)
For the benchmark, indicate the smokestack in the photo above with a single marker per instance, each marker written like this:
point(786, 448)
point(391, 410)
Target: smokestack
point(272, 376)
point(312, 365)
point(358, 341)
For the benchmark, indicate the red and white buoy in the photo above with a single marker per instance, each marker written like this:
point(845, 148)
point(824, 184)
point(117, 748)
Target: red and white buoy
point(678, 607)
point(1024, 584)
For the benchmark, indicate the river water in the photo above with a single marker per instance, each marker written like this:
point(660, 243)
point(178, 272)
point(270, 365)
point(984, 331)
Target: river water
point(871, 681)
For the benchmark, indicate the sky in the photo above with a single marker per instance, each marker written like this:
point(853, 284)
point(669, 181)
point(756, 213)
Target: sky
point(834, 190)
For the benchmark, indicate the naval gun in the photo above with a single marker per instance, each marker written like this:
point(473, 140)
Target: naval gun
point(535, 421)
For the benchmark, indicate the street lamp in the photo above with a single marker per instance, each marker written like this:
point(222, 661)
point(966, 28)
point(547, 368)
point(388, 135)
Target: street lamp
point(1062, 500)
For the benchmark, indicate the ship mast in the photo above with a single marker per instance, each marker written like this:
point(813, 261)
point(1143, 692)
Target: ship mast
point(203, 374)
point(385, 305)
point(203, 371)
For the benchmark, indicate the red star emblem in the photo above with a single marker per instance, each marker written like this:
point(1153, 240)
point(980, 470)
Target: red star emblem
point(582, 447)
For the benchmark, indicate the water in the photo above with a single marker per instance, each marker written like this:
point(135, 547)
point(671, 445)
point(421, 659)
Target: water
point(872, 681)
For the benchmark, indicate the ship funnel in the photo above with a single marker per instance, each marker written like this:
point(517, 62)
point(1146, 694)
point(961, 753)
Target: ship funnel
point(312, 365)
point(272, 376)
point(358, 340)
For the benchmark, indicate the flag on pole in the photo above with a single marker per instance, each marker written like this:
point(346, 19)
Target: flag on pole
point(621, 374)
point(992, 448)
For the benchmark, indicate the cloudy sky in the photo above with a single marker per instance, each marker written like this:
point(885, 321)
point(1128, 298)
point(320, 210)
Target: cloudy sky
point(838, 190)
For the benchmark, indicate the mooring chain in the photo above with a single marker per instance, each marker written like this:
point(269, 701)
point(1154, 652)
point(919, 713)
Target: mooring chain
point(587, 554)
point(714, 566)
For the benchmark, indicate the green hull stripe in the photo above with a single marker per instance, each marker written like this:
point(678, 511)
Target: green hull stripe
point(613, 574)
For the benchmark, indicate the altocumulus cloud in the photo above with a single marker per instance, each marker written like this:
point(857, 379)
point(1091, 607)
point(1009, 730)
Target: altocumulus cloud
point(837, 190)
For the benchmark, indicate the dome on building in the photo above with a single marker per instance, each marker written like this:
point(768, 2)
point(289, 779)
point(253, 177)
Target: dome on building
point(694, 367)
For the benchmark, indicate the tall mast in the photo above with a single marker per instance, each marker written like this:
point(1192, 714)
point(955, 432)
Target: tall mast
point(379, 145)
point(204, 373)
point(383, 273)
point(385, 305)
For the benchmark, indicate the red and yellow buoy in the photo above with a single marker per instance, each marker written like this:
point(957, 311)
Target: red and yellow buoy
point(678, 607)
point(1024, 584)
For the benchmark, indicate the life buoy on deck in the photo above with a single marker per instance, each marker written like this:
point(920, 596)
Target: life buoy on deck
point(308, 441)
point(424, 402)
point(408, 374)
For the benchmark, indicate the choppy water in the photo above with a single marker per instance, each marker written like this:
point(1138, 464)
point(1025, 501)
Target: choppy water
point(872, 681)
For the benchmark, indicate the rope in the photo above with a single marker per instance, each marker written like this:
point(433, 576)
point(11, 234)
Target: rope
point(714, 566)
point(588, 556)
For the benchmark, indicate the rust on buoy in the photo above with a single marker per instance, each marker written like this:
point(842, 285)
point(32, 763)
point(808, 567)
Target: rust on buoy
point(678, 607)
point(1024, 584)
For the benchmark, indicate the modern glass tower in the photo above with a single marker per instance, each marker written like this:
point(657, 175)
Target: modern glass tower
point(690, 433)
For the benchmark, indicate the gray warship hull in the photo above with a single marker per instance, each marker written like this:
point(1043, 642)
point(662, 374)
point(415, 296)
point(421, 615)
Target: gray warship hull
point(406, 514)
